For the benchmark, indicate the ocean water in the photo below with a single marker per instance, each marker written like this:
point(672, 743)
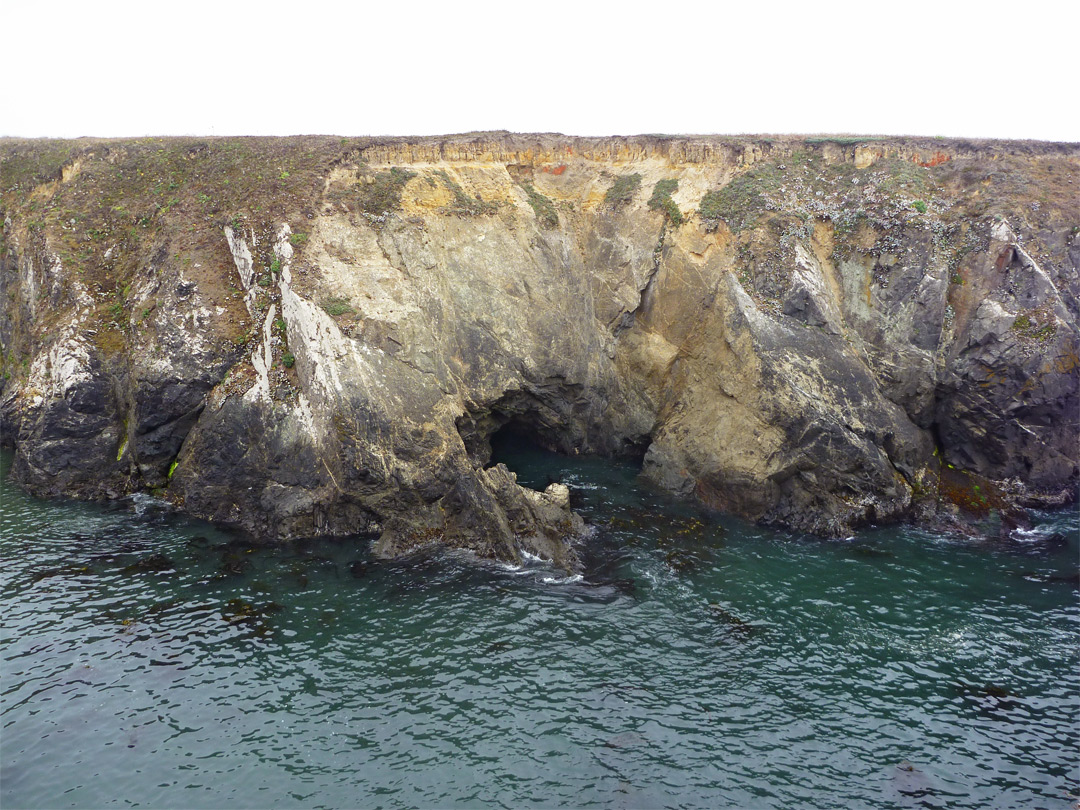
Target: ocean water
point(149, 660)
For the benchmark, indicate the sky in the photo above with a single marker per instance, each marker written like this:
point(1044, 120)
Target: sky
point(117, 69)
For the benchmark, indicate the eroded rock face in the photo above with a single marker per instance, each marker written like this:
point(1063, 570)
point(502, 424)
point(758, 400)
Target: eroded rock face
point(808, 349)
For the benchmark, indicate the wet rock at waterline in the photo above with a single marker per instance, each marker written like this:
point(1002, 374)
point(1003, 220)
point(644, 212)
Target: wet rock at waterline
point(316, 336)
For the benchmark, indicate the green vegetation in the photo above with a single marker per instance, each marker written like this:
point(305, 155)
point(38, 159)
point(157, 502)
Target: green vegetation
point(464, 205)
point(337, 306)
point(383, 194)
point(543, 207)
point(1037, 325)
point(298, 238)
point(710, 206)
point(22, 168)
point(903, 174)
point(743, 200)
point(803, 185)
point(967, 490)
point(843, 141)
point(622, 190)
point(288, 360)
point(661, 200)
point(119, 196)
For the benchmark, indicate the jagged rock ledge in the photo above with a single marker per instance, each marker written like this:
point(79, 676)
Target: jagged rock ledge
point(316, 335)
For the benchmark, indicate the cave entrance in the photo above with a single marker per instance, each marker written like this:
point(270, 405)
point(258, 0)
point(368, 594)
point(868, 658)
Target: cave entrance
point(535, 465)
point(593, 478)
point(535, 432)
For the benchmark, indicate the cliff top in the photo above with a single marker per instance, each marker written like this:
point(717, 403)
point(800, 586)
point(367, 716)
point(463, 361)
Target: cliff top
point(516, 138)
point(296, 166)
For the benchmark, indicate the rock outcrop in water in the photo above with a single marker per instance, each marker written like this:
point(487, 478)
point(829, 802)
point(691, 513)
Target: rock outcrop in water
point(320, 336)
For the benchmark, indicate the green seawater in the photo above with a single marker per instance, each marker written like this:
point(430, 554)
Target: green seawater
point(149, 660)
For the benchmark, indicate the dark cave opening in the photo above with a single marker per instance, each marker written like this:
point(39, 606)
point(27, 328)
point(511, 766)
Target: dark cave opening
point(532, 429)
point(517, 448)
point(533, 458)
point(512, 439)
point(592, 477)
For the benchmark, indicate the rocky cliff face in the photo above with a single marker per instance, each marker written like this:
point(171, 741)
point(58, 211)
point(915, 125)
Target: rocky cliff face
point(320, 336)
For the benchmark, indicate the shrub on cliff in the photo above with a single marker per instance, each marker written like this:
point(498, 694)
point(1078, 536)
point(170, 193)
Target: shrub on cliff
point(622, 190)
point(337, 305)
point(542, 206)
point(463, 204)
point(383, 193)
point(711, 207)
point(742, 201)
point(661, 200)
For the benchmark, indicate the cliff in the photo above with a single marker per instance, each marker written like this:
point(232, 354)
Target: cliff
point(316, 335)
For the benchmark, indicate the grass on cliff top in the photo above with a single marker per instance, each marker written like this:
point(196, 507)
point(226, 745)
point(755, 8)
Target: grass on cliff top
point(130, 206)
point(802, 184)
point(1015, 188)
point(229, 170)
point(25, 164)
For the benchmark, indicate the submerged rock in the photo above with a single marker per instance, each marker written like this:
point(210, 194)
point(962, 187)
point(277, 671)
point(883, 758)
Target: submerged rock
point(870, 552)
point(155, 563)
point(1072, 580)
point(63, 572)
point(298, 358)
point(253, 617)
point(681, 560)
point(734, 626)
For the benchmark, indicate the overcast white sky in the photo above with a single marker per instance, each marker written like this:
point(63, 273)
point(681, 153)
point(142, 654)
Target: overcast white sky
point(110, 68)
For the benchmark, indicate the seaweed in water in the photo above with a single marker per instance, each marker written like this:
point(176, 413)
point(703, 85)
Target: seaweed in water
point(736, 627)
point(241, 612)
point(154, 564)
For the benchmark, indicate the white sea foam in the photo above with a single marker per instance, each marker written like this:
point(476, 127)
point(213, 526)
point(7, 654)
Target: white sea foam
point(141, 502)
point(531, 563)
point(563, 580)
point(516, 570)
point(1022, 535)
